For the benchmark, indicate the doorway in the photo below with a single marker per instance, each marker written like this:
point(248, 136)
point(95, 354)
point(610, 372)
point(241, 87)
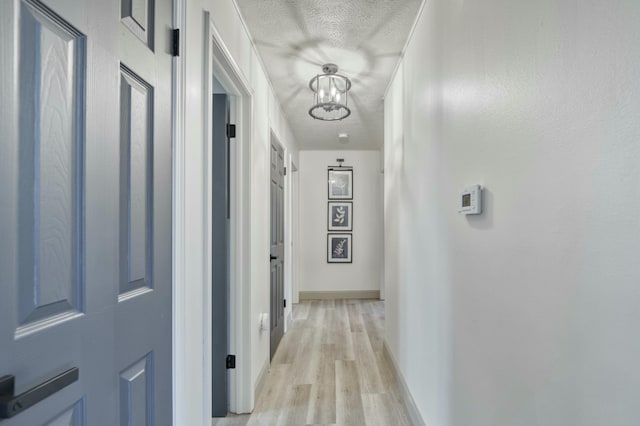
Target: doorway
point(228, 249)
point(277, 252)
point(220, 217)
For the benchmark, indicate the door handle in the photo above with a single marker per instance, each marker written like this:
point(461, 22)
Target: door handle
point(10, 405)
point(272, 257)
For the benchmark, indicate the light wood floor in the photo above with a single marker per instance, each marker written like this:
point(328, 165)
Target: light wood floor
point(330, 370)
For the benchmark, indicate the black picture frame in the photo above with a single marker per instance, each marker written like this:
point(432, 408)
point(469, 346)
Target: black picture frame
point(334, 217)
point(339, 241)
point(342, 190)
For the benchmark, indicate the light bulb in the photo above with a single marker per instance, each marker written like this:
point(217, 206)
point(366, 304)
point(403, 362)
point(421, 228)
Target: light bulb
point(322, 95)
point(338, 98)
point(333, 91)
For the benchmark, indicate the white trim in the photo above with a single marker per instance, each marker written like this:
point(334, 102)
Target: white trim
point(262, 379)
point(404, 48)
point(328, 295)
point(295, 233)
point(219, 61)
point(410, 404)
point(178, 229)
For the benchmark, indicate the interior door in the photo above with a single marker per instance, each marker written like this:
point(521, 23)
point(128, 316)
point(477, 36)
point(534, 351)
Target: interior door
point(85, 217)
point(277, 246)
point(220, 253)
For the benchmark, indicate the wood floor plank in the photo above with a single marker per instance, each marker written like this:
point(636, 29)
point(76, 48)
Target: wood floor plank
point(272, 398)
point(355, 317)
point(330, 370)
point(301, 311)
point(297, 405)
point(349, 410)
point(329, 327)
point(231, 420)
point(368, 367)
point(322, 403)
point(381, 410)
point(375, 331)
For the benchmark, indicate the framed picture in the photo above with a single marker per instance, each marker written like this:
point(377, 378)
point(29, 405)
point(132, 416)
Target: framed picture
point(340, 216)
point(339, 249)
point(340, 184)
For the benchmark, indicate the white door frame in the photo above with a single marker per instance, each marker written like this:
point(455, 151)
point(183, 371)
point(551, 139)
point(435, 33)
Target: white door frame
point(179, 219)
point(219, 62)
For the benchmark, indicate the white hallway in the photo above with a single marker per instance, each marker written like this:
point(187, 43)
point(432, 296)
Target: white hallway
point(524, 315)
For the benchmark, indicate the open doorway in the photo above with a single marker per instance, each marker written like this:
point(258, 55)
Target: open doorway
point(227, 252)
point(221, 196)
point(277, 247)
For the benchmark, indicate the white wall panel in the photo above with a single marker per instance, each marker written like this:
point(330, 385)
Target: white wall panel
point(524, 315)
point(266, 114)
point(364, 272)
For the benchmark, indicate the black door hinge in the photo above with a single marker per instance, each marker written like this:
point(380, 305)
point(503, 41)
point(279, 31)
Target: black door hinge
point(231, 130)
point(285, 171)
point(285, 303)
point(231, 361)
point(175, 42)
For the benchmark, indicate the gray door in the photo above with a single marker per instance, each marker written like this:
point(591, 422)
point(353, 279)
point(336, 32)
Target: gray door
point(277, 246)
point(220, 252)
point(85, 216)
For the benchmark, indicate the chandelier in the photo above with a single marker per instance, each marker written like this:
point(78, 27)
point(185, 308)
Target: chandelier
point(330, 95)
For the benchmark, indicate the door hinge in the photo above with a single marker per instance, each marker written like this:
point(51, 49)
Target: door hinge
point(231, 130)
point(175, 42)
point(231, 361)
point(285, 171)
point(285, 303)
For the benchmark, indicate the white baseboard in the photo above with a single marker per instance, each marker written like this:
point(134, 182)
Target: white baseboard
point(289, 321)
point(414, 414)
point(262, 379)
point(324, 295)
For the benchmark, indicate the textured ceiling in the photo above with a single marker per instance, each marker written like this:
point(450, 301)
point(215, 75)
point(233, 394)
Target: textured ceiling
point(363, 37)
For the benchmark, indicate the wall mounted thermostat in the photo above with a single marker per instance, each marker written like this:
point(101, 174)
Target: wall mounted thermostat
point(470, 200)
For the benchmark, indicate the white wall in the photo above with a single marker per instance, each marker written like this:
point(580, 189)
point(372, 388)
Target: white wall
point(364, 273)
point(267, 116)
point(528, 314)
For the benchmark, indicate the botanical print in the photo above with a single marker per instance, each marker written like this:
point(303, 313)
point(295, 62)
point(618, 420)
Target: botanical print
point(341, 184)
point(339, 248)
point(340, 214)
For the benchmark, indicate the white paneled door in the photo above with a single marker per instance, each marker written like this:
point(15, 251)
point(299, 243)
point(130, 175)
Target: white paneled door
point(85, 212)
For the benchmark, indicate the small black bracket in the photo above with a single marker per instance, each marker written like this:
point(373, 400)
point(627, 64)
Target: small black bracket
point(285, 303)
point(231, 131)
point(231, 361)
point(175, 42)
point(285, 171)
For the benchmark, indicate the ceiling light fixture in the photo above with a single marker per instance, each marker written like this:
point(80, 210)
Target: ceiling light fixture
point(330, 95)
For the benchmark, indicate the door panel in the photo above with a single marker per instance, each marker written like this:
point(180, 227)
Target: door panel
point(72, 416)
point(135, 393)
point(84, 218)
point(277, 246)
point(136, 180)
point(49, 279)
point(220, 252)
point(135, 15)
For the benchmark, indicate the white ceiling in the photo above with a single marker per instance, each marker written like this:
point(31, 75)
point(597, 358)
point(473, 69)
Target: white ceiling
point(363, 37)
